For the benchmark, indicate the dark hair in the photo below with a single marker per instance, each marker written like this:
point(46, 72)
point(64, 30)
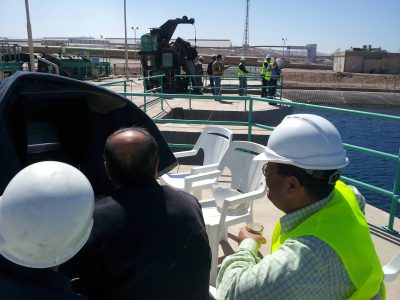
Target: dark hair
point(318, 183)
point(219, 56)
point(131, 165)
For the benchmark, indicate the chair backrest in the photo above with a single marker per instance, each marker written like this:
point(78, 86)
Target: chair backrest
point(214, 140)
point(245, 171)
point(392, 269)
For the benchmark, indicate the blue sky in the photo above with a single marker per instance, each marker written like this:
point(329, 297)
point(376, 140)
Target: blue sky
point(330, 24)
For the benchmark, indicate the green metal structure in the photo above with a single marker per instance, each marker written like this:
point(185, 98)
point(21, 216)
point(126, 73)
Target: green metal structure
point(78, 63)
point(10, 59)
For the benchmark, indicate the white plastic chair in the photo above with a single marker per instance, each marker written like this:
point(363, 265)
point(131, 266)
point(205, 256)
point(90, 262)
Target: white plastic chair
point(212, 293)
point(233, 205)
point(214, 141)
point(392, 269)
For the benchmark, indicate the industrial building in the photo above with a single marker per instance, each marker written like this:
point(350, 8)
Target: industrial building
point(366, 60)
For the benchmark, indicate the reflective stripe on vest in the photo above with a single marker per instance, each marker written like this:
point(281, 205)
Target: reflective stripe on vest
point(342, 226)
point(240, 73)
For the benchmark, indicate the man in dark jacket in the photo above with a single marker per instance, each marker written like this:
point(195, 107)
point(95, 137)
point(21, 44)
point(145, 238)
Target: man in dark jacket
point(21, 283)
point(148, 241)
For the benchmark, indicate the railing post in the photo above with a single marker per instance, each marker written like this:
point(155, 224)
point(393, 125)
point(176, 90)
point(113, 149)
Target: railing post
point(145, 91)
point(395, 199)
point(250, 119)
point(161, 89)
point(124, 88)
point(190, 92)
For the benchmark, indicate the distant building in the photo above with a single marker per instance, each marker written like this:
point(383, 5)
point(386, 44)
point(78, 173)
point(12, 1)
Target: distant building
point(366, 60)
point(75, 41)
point(199, 42)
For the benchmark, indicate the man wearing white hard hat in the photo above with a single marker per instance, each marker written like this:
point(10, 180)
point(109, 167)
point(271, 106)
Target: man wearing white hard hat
point(321, 248)
point(242, 73)
point(45, 219)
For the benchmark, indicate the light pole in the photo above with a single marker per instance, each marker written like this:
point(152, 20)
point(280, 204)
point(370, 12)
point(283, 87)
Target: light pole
point(134, 41)
point(30, 42)
point(284, 42)
point(126, 44)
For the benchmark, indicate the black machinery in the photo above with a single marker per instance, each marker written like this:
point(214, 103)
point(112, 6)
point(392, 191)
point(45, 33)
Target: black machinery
point(159, 56)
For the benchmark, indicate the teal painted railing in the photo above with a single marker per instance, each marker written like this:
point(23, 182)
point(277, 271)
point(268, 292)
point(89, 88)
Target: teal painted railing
point(394, 195)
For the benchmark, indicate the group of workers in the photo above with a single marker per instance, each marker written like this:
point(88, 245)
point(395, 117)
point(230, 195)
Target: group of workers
point(270, 74)
point(147, 241)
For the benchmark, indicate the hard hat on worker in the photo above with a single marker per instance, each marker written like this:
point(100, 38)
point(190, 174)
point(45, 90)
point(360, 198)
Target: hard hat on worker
point(45, 215)
point(268, 56)
point(201, 58)
point(214, 56)
point(306, 141)
point(243, 58)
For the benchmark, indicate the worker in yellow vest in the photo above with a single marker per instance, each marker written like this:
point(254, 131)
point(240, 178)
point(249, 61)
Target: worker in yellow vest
point(321, 248)
point(241, 73)
point(265, 75)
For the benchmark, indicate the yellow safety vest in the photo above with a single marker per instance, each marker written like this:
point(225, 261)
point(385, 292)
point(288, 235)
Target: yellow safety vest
point(342, 225)
point(268, 74)
point(263, 68)
point(240, 73)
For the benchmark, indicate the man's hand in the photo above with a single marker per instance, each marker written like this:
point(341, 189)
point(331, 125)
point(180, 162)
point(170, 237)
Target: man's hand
point(244, 234)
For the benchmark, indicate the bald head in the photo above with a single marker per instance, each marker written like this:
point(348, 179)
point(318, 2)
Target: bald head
point(131, 156)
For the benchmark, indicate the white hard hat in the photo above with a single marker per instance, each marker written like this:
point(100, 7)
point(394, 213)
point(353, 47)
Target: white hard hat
point(214, 55)
point(306, 141)
point(280, 62)
point(45, 215)
point(242, 58)
point(268, 56)
point(201, 57)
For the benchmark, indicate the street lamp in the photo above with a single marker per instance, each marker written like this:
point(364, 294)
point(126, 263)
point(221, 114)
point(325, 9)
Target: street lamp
point(134, 41)
point(284, 42)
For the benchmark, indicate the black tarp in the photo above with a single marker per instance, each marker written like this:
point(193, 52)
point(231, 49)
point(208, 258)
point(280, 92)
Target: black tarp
point(76, 117)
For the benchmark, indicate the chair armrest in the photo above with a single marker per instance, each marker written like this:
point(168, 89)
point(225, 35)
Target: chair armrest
point(202, 169)
point(202, 180)
point(250, 196)
point(179, 154)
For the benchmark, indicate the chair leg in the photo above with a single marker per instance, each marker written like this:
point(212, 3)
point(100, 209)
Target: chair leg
point(212, 232)
point(223, 234)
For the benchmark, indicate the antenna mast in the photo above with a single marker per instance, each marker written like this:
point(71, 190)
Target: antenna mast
point(245, 44)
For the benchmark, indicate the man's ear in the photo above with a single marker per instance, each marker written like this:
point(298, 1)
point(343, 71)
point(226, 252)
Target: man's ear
point(293, 185)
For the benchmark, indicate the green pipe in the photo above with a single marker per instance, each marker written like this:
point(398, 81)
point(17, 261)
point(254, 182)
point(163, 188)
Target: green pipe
point(250, 120)
point(395, 198)
point(371, 151)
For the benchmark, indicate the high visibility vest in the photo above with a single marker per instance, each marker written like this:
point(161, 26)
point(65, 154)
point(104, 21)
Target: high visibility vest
point(240, 73)
point(267, 74)
point(342, 226)
point(263, 68)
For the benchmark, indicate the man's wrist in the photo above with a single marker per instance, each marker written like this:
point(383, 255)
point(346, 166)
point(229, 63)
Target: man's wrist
point(251, 245)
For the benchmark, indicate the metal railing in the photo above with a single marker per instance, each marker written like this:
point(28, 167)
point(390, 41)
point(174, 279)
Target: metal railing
point(394, 194)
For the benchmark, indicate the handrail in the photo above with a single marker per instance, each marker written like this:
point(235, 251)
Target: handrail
point(394, 195)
